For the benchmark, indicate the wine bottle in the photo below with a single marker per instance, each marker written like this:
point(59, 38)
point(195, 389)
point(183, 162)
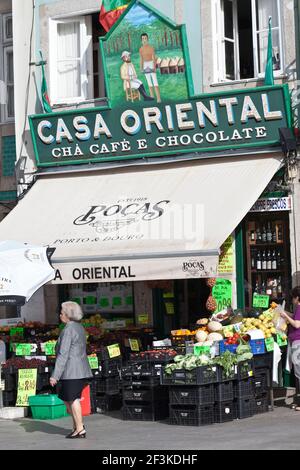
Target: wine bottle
point(264, 235)
point(252, 236)
point(279, 287)
point(264, 261)
point(269, 287)
point(280, 233)
point(258, 235)
point(274, 289)
point(274, 236)
point(269, 233)
point(274, 261)
point(278, 259)
point(258, 261)
point(263, 287)
point(269, 260)
point(256, 290)
point(253, 260)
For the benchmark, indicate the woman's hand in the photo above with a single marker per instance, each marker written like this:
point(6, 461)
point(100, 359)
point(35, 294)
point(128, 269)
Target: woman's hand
point(53, 382)
point(284, 315)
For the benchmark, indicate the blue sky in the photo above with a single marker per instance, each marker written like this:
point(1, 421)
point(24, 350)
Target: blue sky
point(138, 15)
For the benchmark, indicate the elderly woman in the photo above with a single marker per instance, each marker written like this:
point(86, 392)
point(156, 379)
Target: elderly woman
point(294, 335)
point(72, 368)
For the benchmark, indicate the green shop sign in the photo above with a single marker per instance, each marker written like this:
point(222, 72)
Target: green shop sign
point(152, 110)
point(207, 123)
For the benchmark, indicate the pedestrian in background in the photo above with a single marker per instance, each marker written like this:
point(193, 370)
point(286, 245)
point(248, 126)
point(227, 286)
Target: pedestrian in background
point(72, 369)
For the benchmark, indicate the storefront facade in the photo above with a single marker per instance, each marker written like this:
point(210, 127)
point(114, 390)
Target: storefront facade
point(117, 181)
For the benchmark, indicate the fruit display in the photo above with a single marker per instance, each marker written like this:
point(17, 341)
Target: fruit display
point(211, 304)
point(94, 320)
point(21, 363)
point(154, 355)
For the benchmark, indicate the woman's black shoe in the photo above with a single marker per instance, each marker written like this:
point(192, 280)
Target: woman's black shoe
point(71, 435)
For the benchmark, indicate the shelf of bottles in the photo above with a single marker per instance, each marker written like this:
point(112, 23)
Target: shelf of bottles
point(267, 258)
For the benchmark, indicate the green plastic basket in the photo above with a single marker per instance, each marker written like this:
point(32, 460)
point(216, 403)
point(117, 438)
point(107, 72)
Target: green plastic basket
point(47, 407)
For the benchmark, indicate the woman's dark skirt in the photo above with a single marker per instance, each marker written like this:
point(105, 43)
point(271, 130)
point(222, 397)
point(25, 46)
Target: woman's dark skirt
point(71, 390)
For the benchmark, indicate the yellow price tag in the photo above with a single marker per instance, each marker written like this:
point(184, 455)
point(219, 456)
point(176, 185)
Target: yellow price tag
point(143, 319)
point(134, 345)
point(114, 351)
point(26, 386)
point(170, 308)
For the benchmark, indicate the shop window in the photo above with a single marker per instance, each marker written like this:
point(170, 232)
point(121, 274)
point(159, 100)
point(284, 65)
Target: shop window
point(75, 66)
point(242, 38)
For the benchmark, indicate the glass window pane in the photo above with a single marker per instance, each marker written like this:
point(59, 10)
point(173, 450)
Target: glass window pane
point(263, 48)
point(10, 101)
point(229, 60)
point(8, 28)
point(265, 9)
point(10, 67)
point(228, 19)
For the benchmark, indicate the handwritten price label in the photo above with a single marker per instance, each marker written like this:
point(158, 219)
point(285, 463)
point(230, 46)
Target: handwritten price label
point(93, 361)
point(134, 345)
point(23, 349)
point(269, 344)
point(114, 351)
point(50, 349)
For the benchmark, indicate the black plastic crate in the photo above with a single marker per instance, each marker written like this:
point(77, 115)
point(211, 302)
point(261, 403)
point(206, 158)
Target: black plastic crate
point(244, 408)
point(261, 381)
point(245, 370)
point(141, 381)
point(10, 381)
point(263, 361)
point(201, 395)
point(189, 415)
point(110, 368)
point(142, 369)
point(9, 398)
point(199, 376)
point(144, 412)
point(155, 394)
point(224, 391)
point(225, 377)
point(110, 386)
point(160, 358)
point(42, 381)
point(107, 403)
point(244, 388)
point(261, 404)
point(224, 412)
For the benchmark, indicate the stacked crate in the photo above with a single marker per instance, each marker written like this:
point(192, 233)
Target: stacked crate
point(262, 382)
point(143, 397)
point(106, 386)
point(9, 386)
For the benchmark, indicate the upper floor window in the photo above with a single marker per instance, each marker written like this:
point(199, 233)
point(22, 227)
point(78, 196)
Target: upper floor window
point(75, 71)
point(242, 38)
point(7, 68)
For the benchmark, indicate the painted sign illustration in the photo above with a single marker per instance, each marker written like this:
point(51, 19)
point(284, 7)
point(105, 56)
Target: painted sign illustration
point(145, 58)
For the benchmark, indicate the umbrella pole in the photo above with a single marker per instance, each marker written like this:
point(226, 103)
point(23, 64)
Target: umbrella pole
point(1, 396)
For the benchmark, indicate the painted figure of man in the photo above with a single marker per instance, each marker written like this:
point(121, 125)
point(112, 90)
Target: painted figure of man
point(129, 77)
point(148, 66)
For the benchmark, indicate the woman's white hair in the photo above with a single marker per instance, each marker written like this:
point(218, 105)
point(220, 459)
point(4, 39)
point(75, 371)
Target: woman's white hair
point(72, 310)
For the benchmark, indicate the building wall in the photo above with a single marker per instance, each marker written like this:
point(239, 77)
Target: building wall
point(31, 33)
point(7, 151)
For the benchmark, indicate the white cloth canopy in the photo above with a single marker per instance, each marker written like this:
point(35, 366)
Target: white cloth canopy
point(141, 223)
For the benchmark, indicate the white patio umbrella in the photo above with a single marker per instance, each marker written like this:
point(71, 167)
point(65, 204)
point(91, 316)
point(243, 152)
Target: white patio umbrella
point(24, 269)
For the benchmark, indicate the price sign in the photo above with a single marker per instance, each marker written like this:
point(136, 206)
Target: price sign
point(198, 350)
point(114, 351)
point(134, 345)
point(17, 332)
point(170, 308)
point(281, 340)
point(261, 301)
point(269, 344)
point(50, 349)
point(26, 386)
point(222, 292)
point(23, 349)
point(228, 331)
point(94, 362)
point(143, 319)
